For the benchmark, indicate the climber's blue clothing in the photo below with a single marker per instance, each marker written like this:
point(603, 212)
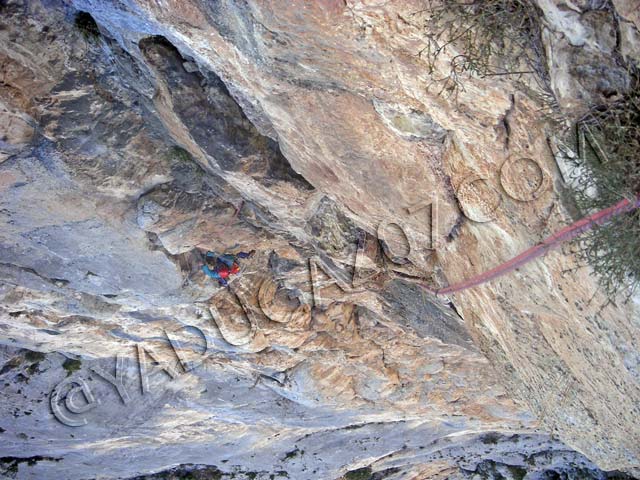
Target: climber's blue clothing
point(228, 259)
point(213, 274)
point(226, 265)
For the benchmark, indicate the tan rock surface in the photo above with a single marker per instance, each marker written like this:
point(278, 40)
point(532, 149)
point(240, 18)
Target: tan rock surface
point(315, 121)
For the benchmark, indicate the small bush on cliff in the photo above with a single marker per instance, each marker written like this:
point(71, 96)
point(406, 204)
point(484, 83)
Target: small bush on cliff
point(493, 37)
point(605, 176)
point(359, 474)
point(71, 365)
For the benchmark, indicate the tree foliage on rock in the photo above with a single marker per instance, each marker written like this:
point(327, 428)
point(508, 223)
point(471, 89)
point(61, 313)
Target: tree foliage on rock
point(602, 180)
point(491, 38)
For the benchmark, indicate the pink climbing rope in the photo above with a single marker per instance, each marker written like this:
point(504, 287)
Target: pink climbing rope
point(543, 247)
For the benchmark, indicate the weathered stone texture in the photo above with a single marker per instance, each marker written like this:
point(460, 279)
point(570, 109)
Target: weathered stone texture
point(295, 128)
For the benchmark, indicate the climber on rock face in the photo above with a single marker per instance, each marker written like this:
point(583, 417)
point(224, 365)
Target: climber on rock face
point(224, 265)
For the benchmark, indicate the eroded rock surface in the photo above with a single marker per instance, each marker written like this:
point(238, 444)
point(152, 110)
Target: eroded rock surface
point(132, 146)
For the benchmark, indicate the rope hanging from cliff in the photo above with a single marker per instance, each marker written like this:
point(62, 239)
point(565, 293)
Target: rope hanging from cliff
point(567, 233)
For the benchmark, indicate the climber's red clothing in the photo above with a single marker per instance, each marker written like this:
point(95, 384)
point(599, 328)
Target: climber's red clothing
point(226, 265)
point(223, 271)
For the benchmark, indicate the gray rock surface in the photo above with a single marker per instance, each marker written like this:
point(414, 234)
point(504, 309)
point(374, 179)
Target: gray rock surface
point(133, 145)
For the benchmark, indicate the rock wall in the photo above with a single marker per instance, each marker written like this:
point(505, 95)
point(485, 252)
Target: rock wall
point(132, 145)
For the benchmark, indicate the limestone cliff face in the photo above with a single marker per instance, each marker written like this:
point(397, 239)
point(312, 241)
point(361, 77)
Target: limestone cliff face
point(133, 145)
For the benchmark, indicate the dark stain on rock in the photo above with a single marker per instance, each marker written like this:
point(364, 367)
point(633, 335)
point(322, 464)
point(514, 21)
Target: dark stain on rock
point(415, 308)
point(280, 265)
point(10, 465)
point(87, 25)
point(188, 472)
point(215, 120)
point(333, 231)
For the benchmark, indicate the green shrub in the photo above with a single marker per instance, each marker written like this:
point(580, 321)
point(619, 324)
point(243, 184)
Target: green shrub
point(359, 474)
point(71, 365)
point(602, 180)
point(493, 37)
point(179, 154)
